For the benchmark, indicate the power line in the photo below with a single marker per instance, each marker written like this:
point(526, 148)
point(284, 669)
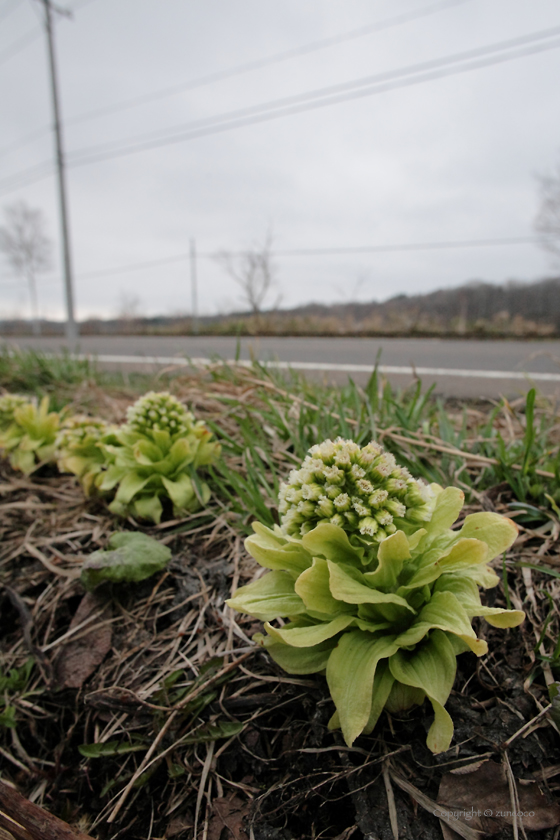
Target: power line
point(334, 94)
point(25, 177)
point(260, 63)
point(331, 95)
point(312, 252)
point(80, 4)
point(22, 141)
point(221, 75)
point(410, 246)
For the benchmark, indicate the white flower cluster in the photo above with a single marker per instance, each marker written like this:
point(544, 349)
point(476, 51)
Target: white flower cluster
point(361, 489)
point(159, 411)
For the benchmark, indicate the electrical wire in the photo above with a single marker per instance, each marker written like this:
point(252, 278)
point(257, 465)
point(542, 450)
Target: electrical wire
point(367, 86)
point(79, 4)
point(260, 63)
point(26, 177)
point(28, 138)
point(312, 252)
point(221, 75)
point(322, 97)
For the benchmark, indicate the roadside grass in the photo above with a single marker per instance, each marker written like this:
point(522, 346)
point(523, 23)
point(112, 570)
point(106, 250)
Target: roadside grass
point(266, 422)
point(475, 446)
point(34, 372)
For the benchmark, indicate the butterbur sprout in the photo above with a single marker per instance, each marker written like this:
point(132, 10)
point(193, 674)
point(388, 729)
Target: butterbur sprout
point(155, 457)
point(383, 619)
point(28, 432)
point(360, 489)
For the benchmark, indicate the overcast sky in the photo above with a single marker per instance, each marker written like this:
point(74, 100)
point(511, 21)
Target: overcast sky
point(437, 154)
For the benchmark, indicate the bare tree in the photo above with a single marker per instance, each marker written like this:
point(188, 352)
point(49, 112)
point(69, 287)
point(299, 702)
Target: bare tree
point(27, 248)
point(547, 223)
point(129, 307)
point(254, 273)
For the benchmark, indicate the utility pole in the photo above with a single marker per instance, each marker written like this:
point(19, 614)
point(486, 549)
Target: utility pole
point(194, 290)
point(71, 326)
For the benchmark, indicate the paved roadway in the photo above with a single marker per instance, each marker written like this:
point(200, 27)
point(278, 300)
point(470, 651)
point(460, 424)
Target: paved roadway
point(462, 368)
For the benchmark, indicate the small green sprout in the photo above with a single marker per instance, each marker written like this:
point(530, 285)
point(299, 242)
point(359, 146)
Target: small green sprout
point(13, 686)
point(384, 620)
point(30, 438)
point(155, 456)
point(362, 490)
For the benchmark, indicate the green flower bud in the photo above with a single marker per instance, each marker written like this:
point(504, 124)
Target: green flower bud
point(159, 411)
point(313, 492)
point(378, 498)
point(358, 483)
point(325, 507)
point(396, 508)
point(383, 517)
point(342, 502)
point(368, 526)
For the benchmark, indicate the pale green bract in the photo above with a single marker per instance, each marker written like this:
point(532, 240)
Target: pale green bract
point(155, 457)
point(361, 489)
point(78, 449)
point(28, 432)
point(384, 622)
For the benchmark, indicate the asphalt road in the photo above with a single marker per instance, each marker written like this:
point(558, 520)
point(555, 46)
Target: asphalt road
point(462, 368)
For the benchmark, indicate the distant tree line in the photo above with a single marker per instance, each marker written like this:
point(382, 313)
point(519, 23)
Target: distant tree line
point(477, 308)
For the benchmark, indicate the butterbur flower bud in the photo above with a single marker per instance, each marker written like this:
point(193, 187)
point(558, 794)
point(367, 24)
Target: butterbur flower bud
point(326, 507)
point(312, 491)
point(369, 526)
point(360, 489)
point(396, 508)
point(378, 498)
point(342, 502)
point(159, 411)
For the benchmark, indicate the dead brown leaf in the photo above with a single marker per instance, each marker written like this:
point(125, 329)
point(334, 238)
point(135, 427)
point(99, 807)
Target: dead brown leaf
point(179, 824)
point(480, 797)
point(79, 657)
point(228, 814)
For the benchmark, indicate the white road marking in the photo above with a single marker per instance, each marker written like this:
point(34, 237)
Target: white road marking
point(407, 370)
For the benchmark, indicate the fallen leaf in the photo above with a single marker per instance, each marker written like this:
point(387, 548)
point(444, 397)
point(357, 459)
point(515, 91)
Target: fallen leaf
point(179, 824)
point(479, 796)
point(133, 556)
point(228, 814)
point(79, 658)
